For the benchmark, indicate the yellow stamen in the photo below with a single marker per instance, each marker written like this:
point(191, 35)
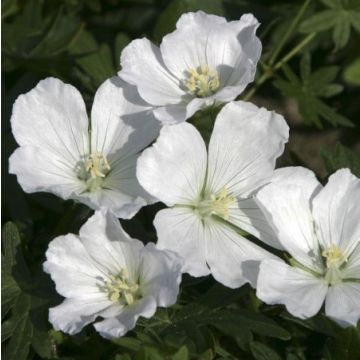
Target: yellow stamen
point(97, 165)
point(216, 204)
point(334, 256)
point(221, 203)
point(121, 289)
point(202, 81)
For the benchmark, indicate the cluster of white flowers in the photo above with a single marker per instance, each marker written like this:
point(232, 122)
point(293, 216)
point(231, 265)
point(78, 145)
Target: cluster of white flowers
point(215, 195)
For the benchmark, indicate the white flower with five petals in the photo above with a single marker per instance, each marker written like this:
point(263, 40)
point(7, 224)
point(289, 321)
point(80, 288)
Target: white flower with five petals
point(206, 60)
point(210, 192)
point(62, 153)
point(320, 229)
point(104, 273)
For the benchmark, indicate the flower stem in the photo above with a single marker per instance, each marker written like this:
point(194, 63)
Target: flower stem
point(289, 32)
point(270, 68)
point(270, 71)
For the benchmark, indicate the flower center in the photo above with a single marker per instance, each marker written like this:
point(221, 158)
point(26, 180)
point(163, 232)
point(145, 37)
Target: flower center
point(97, 165)
point(121, 289)
point(202, 81)
point(93, 170)
point(335, 258)
point(217, 204)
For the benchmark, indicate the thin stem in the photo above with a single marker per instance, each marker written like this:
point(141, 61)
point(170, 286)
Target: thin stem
point(289, 32)
point(270, 71)
point(294, 51)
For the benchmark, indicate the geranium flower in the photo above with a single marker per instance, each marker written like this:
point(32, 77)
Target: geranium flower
point(320, 229)
point(206, 60)
point(210, 193)
point(104, 273)
point(62, 153)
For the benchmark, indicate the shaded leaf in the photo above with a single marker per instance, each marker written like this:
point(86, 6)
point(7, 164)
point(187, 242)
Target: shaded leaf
point(342, 157)
point(308, 91)
point(168, 18)
point(263, 352)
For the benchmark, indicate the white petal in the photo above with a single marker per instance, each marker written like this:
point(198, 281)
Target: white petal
point(233, 260)
point(120, 191)
point(199, 17)
point(234, 51)
point(160, 274)
point(73, 314)
point(196, 104)
point(120, 204)
point(121, 122)
point(300, 176)
point(109, 245)
point(301, 293)
point(253, 220)
point(143, 66)
point(52, 116)
point(246, 215)
point(287, 208)
point(201, 39)
point(352, 266)
point(118, 326)
point(181, 231)
point(336, 212)
point(343, 303)
point(185, 48)
point(171, 114)
point(72, 268)
point(39, 170)
point(173, 169)
point(243, 148)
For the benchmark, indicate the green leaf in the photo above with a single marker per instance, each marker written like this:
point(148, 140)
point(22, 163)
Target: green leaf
point(19, 344)
point(62, 31)
point(11, 243)
point(340, 17)
point(334, 4)
point(8, 8)
point(27, 297)
point(320, 21)
point(347, 345)
point(181, 354)
point(94, 61)
point(9, 292)
point(309, 90)
point(355, 20)
point(122, 357)
point(128, 343)
point(36, 37)
point(343, 157)
point(352, 73)
point(341, 32)
point(261, 351)
point(168, 18)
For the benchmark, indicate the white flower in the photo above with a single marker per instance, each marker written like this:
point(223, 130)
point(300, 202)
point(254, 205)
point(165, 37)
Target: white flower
point(320, 229)
point(211, 191)
point(204, 61)
point(59, 154)
point(104, 273)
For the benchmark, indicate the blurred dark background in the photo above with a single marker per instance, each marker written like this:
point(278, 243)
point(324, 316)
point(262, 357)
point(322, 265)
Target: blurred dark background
point(316, 88)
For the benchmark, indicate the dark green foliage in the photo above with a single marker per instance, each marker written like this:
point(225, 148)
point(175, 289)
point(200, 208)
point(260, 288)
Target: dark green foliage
point(311, 52)
point(309, 88)
point(340, 16)
point(341, 158)
point(25, 301)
